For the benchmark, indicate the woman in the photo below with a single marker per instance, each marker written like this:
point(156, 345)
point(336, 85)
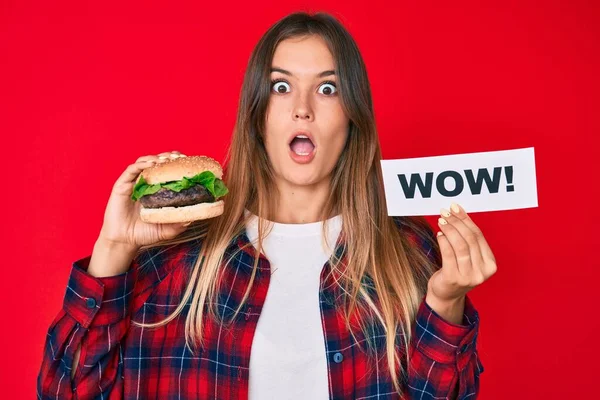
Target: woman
point(240, 306)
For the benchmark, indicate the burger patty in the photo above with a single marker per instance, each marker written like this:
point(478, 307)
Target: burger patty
point(169, 198)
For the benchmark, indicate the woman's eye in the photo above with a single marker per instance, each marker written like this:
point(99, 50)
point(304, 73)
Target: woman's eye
point(280, 87)
point(328, 89)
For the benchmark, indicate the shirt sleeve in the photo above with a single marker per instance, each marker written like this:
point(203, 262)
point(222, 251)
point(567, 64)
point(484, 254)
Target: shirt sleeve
point(443, 357)
point(95, 314)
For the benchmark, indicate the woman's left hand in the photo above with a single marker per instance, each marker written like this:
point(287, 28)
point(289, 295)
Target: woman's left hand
point(467, 260)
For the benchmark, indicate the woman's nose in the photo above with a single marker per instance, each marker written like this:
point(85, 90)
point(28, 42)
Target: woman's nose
point(302, 111)
point(302, 115)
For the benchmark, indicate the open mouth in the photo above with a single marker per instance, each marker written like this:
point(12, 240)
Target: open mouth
point(302, 145)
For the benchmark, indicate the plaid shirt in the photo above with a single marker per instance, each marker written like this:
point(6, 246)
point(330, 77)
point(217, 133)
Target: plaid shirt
point(119, 360)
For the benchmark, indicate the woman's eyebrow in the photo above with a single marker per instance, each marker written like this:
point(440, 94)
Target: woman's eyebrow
point(320, 75)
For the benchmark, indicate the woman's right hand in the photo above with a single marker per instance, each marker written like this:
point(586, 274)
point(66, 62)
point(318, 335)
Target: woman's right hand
point(122, 224)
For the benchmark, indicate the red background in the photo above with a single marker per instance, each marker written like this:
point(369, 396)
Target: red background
point(85, 89)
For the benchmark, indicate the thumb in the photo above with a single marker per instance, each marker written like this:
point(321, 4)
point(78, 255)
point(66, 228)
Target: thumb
point(173, 229)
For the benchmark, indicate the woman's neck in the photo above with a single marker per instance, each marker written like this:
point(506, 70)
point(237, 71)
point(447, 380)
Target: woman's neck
point(301, 204)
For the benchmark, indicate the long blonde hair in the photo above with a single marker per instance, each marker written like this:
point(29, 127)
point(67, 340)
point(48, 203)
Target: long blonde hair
point(396, 269)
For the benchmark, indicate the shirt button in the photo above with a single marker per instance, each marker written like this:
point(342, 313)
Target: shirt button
point(338, 357)
point(90, 302)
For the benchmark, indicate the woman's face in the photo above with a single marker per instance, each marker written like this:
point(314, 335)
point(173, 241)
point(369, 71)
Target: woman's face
point(304, 102)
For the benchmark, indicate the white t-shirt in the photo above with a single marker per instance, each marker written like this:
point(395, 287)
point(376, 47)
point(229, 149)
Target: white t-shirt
point(288, 359)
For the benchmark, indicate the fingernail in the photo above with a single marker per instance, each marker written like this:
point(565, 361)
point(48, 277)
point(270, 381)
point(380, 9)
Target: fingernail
point(442, 221)
point(187, 223)
point(455, 207)
point(440, 233)
point(445, 212)
point(163, 157)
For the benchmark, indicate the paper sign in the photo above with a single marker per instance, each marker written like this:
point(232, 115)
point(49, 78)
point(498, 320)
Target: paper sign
point(487, 181)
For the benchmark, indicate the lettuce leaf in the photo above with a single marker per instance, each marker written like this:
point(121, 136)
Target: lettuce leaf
point(207, 179)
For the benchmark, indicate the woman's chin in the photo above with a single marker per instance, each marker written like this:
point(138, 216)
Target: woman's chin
point(301, 179)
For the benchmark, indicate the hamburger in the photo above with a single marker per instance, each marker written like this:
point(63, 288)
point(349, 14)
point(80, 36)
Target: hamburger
point(182, 189)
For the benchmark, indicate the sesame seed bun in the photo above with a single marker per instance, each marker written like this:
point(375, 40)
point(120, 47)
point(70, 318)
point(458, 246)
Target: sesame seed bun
point(177, 168)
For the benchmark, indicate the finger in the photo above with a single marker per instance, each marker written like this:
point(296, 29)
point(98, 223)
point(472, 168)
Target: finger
point(147, 158)
point(169, 155)
point(171, 230)
point(467, 235)
point(132, 172)
point(484, 247)
point(459, 246)
point(166, 153)
point(174, 226)
point(449, 261)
